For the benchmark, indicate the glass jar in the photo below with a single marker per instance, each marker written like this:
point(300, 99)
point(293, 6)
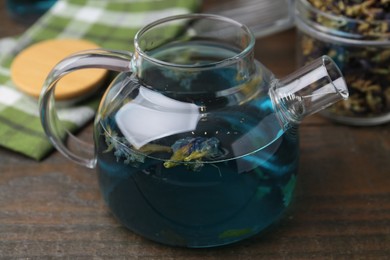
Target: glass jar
point(27, 11)
point(357, 37)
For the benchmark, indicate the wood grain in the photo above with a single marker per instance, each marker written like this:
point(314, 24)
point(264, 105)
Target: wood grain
point(42, 57)
point(341, 209)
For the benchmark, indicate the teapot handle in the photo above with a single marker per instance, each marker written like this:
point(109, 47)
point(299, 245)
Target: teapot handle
point(70, 146)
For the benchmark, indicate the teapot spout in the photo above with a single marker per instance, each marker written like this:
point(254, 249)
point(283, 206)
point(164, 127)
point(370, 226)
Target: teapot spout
point(308, 90)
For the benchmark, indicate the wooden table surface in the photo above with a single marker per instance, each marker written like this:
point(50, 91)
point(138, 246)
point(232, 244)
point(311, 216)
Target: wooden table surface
point(341, 207)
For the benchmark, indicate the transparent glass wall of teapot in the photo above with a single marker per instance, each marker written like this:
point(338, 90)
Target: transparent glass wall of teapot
point(195, 142)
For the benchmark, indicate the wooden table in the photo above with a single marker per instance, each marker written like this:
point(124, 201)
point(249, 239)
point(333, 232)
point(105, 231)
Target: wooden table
point(341, 208)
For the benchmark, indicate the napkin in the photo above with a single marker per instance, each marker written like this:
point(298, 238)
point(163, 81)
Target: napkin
point(110, 24)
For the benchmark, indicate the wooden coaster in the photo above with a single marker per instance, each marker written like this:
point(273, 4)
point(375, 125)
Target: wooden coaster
point(31, 67)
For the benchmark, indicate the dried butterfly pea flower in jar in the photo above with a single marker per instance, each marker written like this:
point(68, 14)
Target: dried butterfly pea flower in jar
point(356, 34)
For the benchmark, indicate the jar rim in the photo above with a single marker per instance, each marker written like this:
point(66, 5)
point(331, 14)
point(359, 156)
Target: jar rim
point(308, 24)
point(334, 16)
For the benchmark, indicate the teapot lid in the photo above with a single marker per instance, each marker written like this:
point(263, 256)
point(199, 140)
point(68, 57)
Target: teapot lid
point(31, 66)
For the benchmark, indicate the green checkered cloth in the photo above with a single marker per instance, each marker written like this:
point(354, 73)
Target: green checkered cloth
point(109, 23)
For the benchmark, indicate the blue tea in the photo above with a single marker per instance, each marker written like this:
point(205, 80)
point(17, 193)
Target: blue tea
point(216, 204)
point(227, 179)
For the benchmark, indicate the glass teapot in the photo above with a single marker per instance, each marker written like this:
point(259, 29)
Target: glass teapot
point(195, 142)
